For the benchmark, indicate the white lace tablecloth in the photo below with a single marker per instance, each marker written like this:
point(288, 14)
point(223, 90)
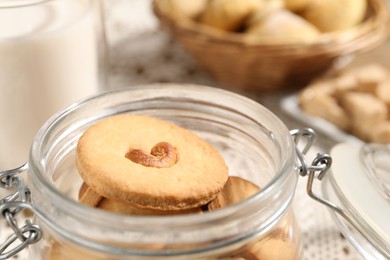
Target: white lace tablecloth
point(140, 53)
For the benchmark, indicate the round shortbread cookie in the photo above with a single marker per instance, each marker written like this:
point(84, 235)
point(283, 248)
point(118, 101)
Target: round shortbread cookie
point(127, 208)
point(114, 158)
point(235, 190)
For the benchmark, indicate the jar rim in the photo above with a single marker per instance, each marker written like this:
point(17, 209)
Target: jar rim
point(177, 221)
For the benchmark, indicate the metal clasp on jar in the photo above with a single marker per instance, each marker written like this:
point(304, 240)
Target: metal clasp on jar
point(318, 168)
point(10, 207)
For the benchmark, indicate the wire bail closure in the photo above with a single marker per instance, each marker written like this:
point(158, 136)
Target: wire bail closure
point(320, 165)
point(10, 207)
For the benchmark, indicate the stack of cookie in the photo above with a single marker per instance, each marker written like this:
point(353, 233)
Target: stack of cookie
point(143, 165)
point(139, 165)
point(356, 101)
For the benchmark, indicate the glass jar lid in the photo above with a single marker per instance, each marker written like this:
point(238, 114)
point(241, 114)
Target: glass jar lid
point(359, 182)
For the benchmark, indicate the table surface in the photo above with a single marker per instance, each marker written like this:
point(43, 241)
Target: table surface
point(142, 53)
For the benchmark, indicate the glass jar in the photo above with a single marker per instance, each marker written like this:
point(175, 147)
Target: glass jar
point(53, 53)
point(255, 144)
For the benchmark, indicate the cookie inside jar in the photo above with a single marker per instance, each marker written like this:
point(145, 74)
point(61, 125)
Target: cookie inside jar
point(170, 171)
point(113, 147)
point(243, 201)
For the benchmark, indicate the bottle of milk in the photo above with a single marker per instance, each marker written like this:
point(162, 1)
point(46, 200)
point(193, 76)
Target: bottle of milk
point(52, 53)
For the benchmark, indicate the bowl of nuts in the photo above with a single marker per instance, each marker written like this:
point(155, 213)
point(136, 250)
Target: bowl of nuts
point(263, 45)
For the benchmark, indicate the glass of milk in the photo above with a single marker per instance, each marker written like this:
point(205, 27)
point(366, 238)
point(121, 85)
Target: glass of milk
point(52, 53)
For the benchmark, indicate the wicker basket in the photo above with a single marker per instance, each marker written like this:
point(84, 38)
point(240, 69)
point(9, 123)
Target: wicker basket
point(246, 63)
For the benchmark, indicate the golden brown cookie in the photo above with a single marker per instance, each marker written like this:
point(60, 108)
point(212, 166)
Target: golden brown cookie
point(271, 249)
point(235, 190)
point(183, 8)
point(296, 5)
point(127, 208)
point(266, 7)
point(283, 26)
point(365, 112)
point(334, 15)
point(381, 133)
point(325, 106)
point(228, 15)
point(383, 92)
point(344, 83)
point(59, 251)
point(149, 162)
point(88, 196)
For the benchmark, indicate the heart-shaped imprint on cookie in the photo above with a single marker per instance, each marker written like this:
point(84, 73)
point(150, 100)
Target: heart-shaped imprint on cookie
point(162, 155)
point(182, 171)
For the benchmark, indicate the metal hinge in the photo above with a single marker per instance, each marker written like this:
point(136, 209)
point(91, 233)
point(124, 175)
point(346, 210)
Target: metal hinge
point(11, 206)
